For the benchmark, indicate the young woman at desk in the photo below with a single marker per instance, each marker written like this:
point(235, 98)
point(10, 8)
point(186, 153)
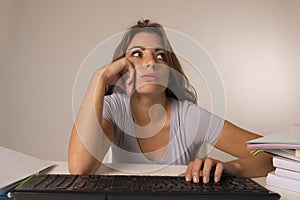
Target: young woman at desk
point(143, 106)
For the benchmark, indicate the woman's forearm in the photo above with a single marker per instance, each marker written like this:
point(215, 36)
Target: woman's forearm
point(88, 143)
point(251, 166)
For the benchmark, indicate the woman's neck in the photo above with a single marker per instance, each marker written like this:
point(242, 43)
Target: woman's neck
point(147, 107)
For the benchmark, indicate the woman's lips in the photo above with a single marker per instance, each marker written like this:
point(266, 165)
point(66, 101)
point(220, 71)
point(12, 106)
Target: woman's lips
point(149, 77)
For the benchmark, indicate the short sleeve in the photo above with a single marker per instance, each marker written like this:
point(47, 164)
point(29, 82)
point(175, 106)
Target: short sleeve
point(116, 110)
point(201, 125)
point(107, 109)
point(216, 125)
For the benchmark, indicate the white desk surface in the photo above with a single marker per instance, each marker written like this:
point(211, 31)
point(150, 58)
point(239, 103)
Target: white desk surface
point(61, 167)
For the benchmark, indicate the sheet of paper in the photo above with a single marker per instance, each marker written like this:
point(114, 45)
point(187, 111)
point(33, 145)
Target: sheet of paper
point(288, 137)
point(15, 165)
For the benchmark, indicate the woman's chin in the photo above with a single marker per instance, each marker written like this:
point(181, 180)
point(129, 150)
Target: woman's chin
point(151, 89)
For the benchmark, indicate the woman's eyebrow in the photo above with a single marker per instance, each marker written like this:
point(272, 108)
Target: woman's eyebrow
point(144, 48)
point(137, 47)
point(159, 49)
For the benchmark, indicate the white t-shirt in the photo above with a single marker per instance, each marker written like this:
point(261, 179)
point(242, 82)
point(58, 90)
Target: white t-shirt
point(190, 127)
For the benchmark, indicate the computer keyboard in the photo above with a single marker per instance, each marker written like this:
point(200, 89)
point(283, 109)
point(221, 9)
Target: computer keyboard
point(115, 187)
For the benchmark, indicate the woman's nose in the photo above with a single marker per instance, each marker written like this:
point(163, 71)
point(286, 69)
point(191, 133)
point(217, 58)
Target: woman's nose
point(150, 60)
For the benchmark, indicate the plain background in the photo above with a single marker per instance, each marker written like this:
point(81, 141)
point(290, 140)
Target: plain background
point(255, 45)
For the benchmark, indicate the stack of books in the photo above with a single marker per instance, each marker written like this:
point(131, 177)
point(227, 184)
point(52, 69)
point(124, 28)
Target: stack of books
point(286, 174)
point(285, 148)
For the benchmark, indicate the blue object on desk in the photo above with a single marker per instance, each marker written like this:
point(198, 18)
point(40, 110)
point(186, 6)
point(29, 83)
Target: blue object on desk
point(6, 193)
point(5, 196)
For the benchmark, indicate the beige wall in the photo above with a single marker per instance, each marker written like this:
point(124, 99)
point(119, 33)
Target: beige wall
point(254, 43)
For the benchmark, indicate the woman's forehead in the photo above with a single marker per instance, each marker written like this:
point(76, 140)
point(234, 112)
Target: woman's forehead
point(147, 40)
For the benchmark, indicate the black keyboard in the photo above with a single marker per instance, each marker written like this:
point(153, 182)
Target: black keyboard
point(92, 187)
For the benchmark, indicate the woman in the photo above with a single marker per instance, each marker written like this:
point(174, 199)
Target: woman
point(143, 106)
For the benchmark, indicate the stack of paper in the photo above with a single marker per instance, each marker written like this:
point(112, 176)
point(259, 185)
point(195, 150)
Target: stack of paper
point(286, 149)
point(16, 166)
point(284, 140)
point(286, 174)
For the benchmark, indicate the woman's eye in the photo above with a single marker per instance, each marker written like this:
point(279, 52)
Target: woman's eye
point(136, 54)
point(161, 56)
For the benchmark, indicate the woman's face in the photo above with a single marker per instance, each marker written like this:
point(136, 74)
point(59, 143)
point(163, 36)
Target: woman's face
point(146, 53)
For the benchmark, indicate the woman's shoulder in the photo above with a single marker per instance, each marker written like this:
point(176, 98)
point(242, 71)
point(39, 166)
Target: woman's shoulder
point(116, 101)
point(185, 105)
point(187, 110)
point(117, 96)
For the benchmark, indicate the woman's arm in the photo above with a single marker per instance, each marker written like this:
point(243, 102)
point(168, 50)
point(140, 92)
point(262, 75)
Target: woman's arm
point(85, 148)
point(91, 134)
point(232, 140)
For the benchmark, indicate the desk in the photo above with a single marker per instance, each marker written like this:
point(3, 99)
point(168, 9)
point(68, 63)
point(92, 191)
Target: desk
point(61, 167)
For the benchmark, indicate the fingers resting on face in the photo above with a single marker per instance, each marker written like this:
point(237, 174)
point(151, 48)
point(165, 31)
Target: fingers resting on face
point(121, 73)
point(201, 168)
point(128, 79)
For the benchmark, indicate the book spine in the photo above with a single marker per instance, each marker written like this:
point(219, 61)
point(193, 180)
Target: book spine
point(281, 182)
point(287, 173)
point(286, 164)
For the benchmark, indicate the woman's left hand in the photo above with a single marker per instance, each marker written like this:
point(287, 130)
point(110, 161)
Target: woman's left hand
point(201, 167)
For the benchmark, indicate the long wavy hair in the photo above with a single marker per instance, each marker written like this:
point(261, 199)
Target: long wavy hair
point(178, 86)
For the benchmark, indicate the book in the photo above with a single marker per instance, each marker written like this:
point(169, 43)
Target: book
point(286, 163)
point(283, 140)
point(16, 166)
point(286, 153)
point(283, 182)
point(287, 173)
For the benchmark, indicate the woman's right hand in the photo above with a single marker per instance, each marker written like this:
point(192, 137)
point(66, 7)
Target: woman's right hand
point(201, 167)
point(121, 73)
